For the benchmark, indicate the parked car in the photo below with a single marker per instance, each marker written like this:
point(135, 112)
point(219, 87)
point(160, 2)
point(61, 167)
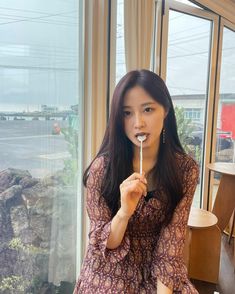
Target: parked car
point(224, 142)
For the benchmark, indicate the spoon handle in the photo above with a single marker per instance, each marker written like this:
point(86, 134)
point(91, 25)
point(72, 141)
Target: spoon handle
point(141, 157)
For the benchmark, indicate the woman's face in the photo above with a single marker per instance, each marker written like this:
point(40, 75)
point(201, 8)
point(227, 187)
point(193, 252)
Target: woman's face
point(143, 116)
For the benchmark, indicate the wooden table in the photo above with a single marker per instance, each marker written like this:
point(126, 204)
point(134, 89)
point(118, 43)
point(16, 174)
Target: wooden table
point(199, 218)
point(225, 198)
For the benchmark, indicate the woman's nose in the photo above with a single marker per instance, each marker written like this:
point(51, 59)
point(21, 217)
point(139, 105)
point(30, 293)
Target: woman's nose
point(139, 121)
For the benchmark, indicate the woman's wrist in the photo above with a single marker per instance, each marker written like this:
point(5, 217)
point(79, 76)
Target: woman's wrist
point(122, 215)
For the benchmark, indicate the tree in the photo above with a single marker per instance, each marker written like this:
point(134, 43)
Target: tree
point(185, 132)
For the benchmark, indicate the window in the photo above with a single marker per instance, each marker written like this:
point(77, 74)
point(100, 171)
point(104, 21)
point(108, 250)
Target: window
point(120, 49)
point(225, 125)
point(193, 113)
point(187, 71)
point(225, 150)
point(39, 129)
point(186, 49)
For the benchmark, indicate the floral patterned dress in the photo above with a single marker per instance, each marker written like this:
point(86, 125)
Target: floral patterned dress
point(148, 251)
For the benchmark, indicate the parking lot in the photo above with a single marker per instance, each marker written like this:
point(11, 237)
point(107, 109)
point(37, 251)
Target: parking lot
point(30, 145)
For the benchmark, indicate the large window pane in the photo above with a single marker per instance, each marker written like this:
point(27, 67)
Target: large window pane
point(187, 75)
point(225, 132)
point(225, 136)
point(39, 127)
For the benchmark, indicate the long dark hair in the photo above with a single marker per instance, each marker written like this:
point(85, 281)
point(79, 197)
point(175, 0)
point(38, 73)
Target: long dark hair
point(117, 148)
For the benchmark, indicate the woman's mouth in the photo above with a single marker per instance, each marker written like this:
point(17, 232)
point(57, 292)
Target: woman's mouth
point(141, 137)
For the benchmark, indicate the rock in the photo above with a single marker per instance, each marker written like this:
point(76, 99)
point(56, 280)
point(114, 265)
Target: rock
point(38, 191)
point(24, 265)
point(7, 260)
point(45, 245)
point(28, 236)
point(39, 215)
point(44, 206)
point(28, 182)
point(33, 198)
point(12, 195)
point(42, 262)
point(50, 181)
point(19, 219)
point(6, 232)
point(2, 220)
point(11, 176)
point(41, 225)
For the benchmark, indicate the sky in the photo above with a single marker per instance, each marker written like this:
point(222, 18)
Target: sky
point(38, 53)
point(188, 56)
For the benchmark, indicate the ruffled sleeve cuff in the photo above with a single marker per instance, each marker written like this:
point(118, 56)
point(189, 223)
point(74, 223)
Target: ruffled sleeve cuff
point(117, 254)
point(172, 274)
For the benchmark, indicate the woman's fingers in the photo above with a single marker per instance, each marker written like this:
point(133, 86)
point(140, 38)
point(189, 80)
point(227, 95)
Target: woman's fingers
point(136, 176)
point(131, 191)
point(136, 186)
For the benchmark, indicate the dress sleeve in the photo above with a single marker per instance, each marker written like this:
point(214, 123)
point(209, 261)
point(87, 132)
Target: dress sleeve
point(167, 264)
point(100, 216)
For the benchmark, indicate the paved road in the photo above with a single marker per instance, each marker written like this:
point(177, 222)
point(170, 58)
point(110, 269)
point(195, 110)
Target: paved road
point(30, 145)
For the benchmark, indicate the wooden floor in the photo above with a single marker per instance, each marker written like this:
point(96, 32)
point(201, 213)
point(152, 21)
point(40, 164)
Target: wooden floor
point(226, 283)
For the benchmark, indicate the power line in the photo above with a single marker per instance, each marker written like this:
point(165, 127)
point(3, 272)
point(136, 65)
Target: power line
point(185, 30)
point(33, 18)
point(34, 53)
point(187, 39)
point(41, 21)
point(27, 10)
point(42, 46)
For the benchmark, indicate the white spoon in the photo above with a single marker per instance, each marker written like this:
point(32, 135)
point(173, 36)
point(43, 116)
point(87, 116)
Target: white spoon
point(141, 138)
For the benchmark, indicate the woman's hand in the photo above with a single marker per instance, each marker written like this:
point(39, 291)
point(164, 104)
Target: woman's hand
point(162, 289)
point(131, 191)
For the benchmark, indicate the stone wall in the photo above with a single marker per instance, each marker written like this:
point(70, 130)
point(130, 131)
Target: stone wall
point(37, 231)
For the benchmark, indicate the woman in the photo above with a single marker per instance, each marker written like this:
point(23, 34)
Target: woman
point(138, 221)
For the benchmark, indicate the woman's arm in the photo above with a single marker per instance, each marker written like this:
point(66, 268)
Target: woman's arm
point(118, 229)
point(162, 289)
point(131, 191)
point(167, 261)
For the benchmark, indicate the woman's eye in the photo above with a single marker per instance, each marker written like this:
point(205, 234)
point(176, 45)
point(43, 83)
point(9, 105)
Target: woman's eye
point(127, 113)
point(148, 109)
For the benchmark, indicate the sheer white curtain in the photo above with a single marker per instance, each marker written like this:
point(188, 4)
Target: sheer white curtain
point(95, 82)
point(138, 33)
point(96, 33)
